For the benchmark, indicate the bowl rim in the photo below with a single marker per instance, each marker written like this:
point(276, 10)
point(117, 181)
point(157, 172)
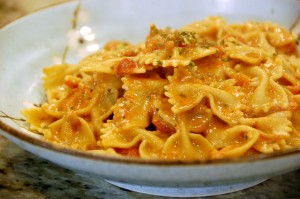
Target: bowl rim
point(66, 2)
point(33, 12)
point(18, 134)
point(130, 160)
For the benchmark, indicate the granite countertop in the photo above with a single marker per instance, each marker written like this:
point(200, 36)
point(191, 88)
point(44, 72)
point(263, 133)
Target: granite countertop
point(23, 175)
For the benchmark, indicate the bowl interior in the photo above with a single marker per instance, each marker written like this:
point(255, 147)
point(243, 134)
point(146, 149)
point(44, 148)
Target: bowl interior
point(33, 42)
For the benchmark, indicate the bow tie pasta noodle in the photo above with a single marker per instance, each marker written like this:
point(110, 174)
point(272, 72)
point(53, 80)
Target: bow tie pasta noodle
point(208, 90)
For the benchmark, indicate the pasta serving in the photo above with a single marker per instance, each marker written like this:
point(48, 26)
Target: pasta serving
point(208, 90)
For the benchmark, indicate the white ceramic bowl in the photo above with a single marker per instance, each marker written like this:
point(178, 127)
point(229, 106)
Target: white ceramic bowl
point(30, 43)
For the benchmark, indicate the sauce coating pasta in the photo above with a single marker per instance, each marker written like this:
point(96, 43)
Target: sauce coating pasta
point(208, 90)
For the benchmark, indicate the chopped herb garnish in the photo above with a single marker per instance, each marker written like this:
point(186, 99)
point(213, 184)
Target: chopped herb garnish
point(159, 62)
point(188, 38)
point(181, 51)
point(275, 54)
point(182, 95)
point(192, 64)
point(227, 59)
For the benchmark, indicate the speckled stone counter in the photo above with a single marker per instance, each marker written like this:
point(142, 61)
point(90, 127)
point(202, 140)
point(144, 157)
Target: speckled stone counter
point(23, 175)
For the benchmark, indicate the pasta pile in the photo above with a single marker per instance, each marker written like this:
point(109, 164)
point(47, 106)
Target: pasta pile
point(208, 90)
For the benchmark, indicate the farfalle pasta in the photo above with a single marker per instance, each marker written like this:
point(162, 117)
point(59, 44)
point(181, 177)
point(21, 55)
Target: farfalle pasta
point(208, 90)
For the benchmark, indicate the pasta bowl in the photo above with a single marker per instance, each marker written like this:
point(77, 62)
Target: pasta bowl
point(40, 39)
